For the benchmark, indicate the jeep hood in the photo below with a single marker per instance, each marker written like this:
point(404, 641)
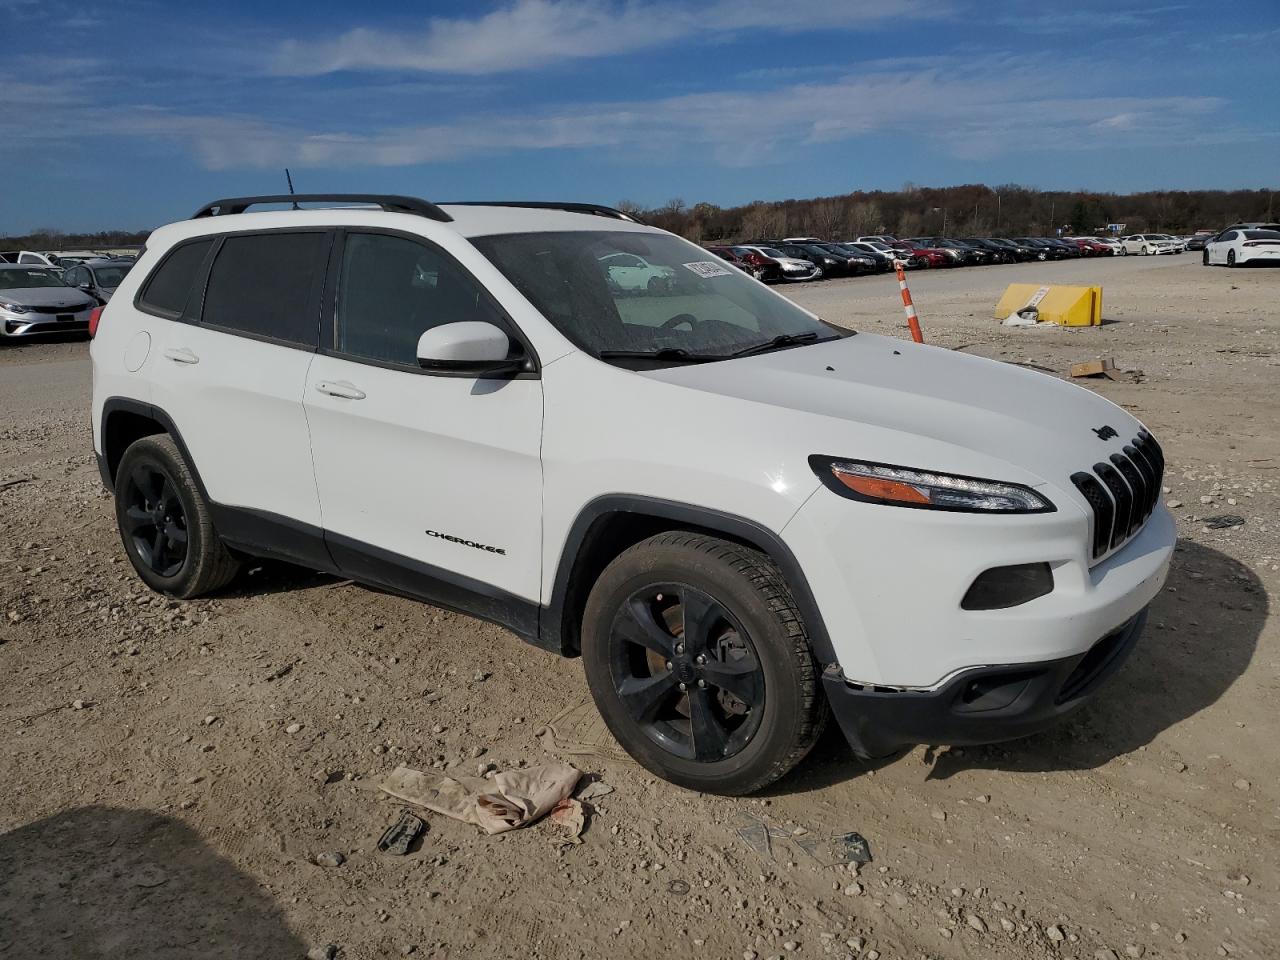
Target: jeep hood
point(1031, 421)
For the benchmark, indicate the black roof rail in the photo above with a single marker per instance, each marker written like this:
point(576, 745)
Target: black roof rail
point(597, 209)
point(388, 202)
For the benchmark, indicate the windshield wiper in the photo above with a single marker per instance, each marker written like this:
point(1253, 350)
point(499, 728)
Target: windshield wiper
point(782, 340)
point(675, 354)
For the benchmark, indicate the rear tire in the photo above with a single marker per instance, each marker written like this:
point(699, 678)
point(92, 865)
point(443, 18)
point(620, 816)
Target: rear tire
point(1205, 259)
point(1231, 258)
point(164, 522)
point(699, 663)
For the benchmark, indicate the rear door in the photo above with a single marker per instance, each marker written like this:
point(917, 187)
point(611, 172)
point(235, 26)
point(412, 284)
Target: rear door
point(230, 370)
point(429, 483)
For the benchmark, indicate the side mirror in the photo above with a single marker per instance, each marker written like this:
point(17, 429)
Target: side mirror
point(467, 348)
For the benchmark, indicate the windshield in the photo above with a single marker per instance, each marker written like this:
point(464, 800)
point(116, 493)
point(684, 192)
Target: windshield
point(109, 277)
point(644, 293)
point(18, 278)
point(777, 254)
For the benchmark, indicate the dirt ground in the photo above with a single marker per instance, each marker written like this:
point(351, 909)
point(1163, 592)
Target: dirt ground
point(155, 803)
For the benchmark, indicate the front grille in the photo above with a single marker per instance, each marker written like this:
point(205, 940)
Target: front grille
point(1128, 491)
point(58, 309)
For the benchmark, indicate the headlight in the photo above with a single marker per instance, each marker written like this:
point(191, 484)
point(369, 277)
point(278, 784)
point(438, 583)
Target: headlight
point(922, 489)
point(13, 307)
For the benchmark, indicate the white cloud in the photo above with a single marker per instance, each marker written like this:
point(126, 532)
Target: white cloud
point(534, 33)
point(974, 114)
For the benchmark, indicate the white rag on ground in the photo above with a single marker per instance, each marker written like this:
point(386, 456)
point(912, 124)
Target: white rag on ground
point(512, 799)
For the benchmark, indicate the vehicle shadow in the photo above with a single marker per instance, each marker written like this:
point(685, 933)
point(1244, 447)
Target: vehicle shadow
point(261, 577)
point(1201, 635)
point(98, 882)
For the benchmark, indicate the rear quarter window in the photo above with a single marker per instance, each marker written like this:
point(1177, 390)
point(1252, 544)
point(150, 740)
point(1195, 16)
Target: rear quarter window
point(266, 285)
point(167, 289)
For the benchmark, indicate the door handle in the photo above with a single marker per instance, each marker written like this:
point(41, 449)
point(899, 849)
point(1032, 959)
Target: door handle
point(181, 355)
point(340, 388)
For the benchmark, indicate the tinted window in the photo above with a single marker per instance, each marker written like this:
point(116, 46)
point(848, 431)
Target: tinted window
point(110, 277)
point(1262, 235)
point(391, 290)
point(265, 285)
point(169, 286)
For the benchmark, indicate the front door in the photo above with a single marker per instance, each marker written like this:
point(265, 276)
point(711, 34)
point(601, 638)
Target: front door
point(430, 484)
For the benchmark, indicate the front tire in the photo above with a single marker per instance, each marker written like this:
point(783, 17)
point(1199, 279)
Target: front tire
point(1231, 258)
point(1205, 258)
point(699, 663)
point(164, 522)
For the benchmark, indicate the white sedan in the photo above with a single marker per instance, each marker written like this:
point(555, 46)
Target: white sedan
point(626, 271)
point(1148, 244)
point(1235, 247)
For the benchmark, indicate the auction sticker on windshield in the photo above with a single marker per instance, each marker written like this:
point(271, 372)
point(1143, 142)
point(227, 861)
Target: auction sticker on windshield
point(708, 268)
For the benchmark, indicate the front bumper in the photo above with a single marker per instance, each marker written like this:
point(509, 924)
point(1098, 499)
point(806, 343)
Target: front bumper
point(889, 585)
point(34, 324)
point(981, 705)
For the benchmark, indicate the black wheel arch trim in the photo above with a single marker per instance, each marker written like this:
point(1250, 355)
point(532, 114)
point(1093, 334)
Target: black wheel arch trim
point(555, 621)
point(151, 412)
point(545, 626)
point(263, 534)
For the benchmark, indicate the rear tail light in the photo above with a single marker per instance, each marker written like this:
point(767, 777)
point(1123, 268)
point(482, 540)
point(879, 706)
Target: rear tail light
point(94, 319)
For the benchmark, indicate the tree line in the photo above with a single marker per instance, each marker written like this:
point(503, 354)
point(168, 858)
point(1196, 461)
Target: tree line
point(51, 238)
point(973, 209)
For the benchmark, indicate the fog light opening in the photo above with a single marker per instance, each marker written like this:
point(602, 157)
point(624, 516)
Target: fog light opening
point(1002, 587)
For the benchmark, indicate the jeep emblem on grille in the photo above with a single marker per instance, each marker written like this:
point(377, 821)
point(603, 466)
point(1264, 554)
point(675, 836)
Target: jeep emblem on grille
point(1105, 432)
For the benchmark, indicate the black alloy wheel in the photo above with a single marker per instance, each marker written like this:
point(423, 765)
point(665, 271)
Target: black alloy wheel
point(687, 672)
point(699, 662)
point(154, 519)
point(164, 522)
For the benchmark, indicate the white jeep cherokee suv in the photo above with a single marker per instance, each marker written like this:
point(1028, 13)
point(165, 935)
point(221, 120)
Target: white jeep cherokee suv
point(741, 517)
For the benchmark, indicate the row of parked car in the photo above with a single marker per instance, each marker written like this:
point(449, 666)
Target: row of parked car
point(810, 258)
point(55, 292)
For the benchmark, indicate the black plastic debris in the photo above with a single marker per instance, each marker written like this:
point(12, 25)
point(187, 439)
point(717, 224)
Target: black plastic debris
point(401, 834)
point(1223, 521)
point(763, 837)
point(854, 846)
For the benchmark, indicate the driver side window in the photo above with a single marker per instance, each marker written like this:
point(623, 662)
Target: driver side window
point(392, 289)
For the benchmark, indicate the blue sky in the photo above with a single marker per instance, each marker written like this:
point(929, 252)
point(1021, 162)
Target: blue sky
point(134, 113)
